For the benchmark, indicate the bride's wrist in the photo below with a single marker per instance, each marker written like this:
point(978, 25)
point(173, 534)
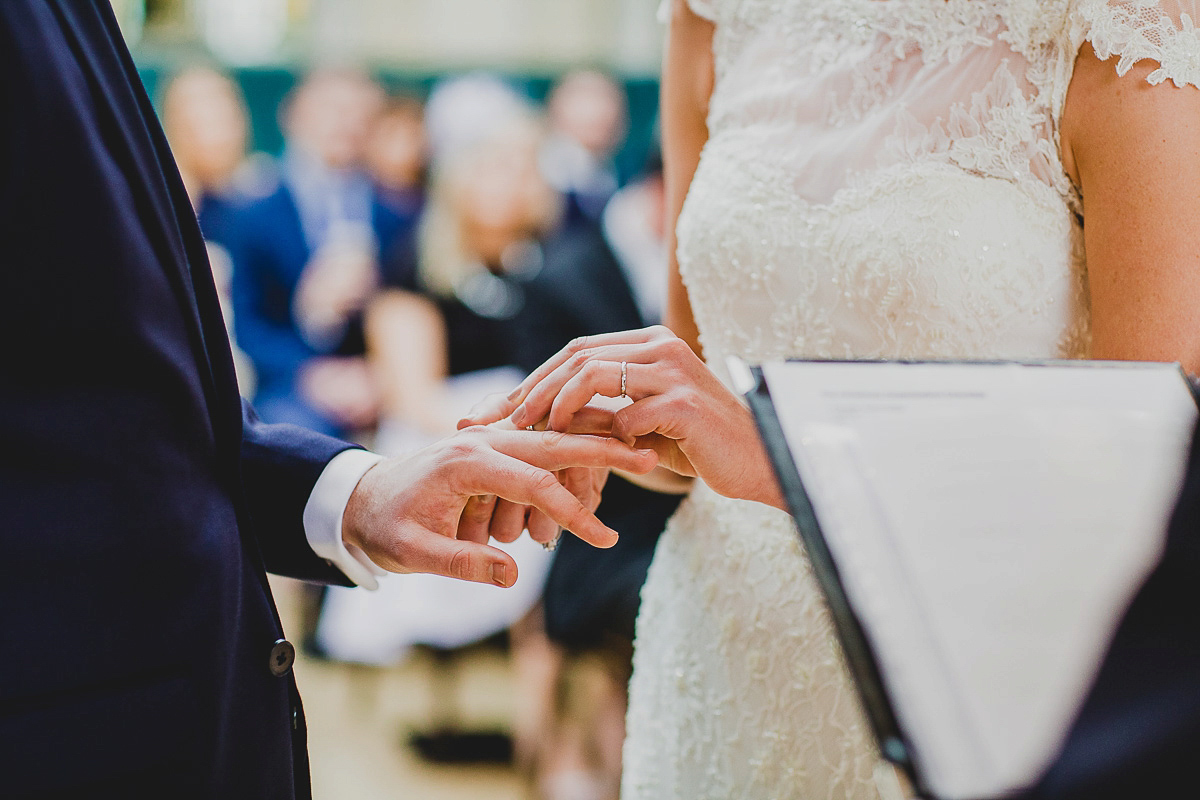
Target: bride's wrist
point(765, 485)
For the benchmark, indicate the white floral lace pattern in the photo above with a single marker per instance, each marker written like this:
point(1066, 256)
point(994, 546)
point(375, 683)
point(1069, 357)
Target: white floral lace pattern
point(881, 180)
point(1137, 30)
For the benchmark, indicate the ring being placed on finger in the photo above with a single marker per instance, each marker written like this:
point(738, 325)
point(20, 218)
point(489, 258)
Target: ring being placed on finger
point(624, 379)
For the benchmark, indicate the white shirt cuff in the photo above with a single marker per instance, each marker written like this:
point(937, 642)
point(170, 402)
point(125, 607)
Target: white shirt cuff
point(323, 516)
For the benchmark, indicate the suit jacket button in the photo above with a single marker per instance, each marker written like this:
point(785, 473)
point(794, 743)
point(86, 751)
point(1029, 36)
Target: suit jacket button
point(283, 655)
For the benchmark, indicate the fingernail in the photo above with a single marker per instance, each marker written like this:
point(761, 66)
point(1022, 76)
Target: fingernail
point(500, 574)
point(515, 393)
point(518, 416)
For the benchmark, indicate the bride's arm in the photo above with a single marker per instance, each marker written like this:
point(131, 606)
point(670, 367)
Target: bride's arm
point(687, 83)
point(686, 88)
point(1134, 150)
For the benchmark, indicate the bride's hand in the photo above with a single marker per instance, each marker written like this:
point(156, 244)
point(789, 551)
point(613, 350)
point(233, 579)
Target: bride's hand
point(679, 408)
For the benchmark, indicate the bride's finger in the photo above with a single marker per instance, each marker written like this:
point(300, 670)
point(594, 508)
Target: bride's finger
point(490, 409)
point(606, 378)
point(585, 343)
point(656, 423)
point(540, 398)
point(652, 415)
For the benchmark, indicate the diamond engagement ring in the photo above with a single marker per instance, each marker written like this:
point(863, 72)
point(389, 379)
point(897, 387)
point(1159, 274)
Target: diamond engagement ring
point(624, 379)
point(552, 545)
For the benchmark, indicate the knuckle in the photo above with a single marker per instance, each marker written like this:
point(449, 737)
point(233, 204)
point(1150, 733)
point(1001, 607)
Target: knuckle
point(661, 332)
point(577, 344)
point(578, 362)
point(461, 563)
point(676, 348)
point(577, 516)
point(543, 481)
point(687, 402)
point(462, 448)
point(474, 431)
point(553, 440)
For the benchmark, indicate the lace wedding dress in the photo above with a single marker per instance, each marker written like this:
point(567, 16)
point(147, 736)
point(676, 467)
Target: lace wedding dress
point(882, 180)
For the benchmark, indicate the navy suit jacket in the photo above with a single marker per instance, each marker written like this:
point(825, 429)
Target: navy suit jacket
point(269, 252)
point(141, 502)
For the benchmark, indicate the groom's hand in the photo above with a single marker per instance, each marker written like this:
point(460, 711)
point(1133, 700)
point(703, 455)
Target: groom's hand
point(421, 513)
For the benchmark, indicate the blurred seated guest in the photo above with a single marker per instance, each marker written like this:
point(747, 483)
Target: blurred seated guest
point(635, 228)
point(462, 110)
point(587, 116)
point(461, 285)
point(599, 279)
point(204, 117)
point(397, 156)
point(306, 259)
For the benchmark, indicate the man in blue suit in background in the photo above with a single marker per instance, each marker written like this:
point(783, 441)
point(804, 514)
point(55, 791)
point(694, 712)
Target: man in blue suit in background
point(306, 261)
point(142, 502)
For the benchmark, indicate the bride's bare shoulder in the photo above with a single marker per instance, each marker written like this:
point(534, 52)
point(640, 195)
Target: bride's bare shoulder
point(705, 9)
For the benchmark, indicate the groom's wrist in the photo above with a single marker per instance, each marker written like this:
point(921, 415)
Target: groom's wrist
point(325, 511)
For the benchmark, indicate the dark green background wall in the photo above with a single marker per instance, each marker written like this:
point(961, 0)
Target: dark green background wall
point(266, 87)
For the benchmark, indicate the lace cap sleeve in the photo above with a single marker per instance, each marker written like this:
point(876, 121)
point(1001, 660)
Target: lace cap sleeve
point(702, 8)
point(1161, 30)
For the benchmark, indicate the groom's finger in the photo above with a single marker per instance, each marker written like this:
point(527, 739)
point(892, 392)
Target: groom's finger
point(553, 451)
point(593, 420)
point(476, 518)
point(421, 550)
point(579, 482)
point(541, 528)
point(525, 485)
point(490, 409)
point(508, 521)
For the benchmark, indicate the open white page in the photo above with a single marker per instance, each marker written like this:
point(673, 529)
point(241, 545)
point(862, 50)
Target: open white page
point(990, 524)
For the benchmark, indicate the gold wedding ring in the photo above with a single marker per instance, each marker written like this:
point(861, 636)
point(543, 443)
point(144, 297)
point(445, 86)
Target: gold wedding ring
point(624, 379)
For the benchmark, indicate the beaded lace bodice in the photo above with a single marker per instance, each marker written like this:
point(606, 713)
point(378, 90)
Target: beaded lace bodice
point(882, 179)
